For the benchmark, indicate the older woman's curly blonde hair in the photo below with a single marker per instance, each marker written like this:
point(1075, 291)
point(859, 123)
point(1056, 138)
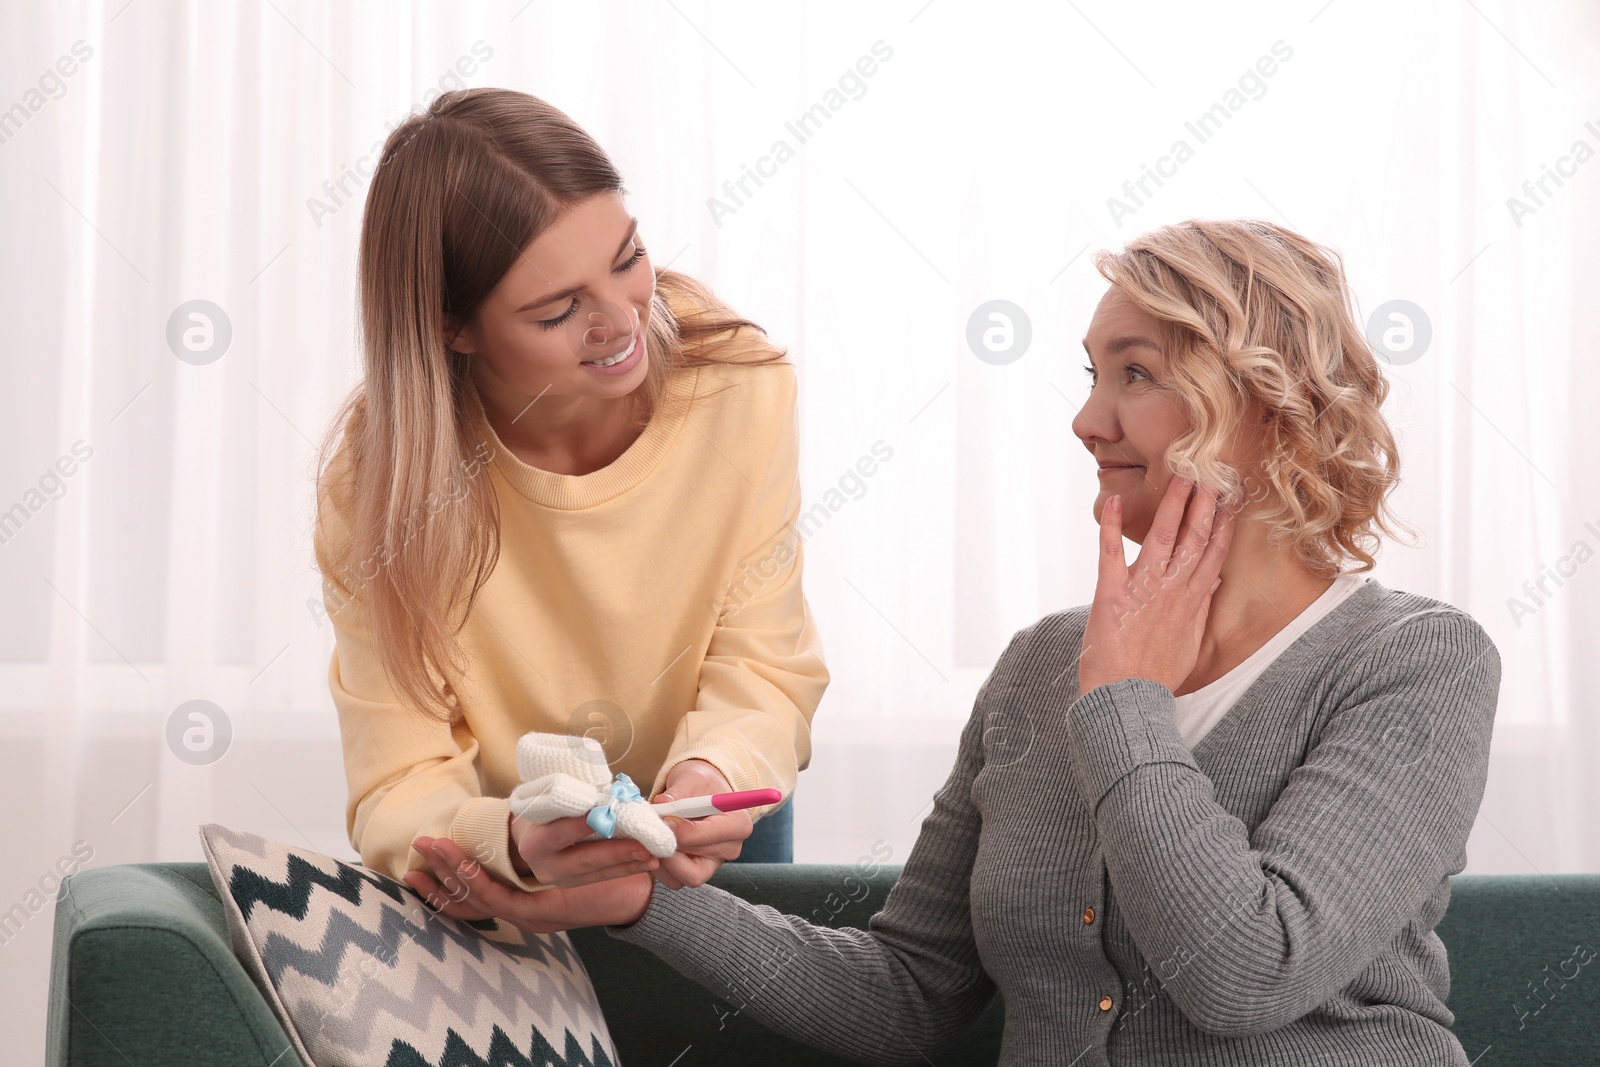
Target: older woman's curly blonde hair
point(1257, 317)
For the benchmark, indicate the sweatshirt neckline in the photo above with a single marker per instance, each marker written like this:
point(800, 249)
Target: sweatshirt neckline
point(571, 492)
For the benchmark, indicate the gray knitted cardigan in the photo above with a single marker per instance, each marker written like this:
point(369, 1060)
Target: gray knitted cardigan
point(1268, 899)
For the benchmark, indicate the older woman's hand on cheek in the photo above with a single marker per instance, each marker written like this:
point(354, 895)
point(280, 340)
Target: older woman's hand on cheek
point(703, 844)
point(1147, 621)
point(460, 888)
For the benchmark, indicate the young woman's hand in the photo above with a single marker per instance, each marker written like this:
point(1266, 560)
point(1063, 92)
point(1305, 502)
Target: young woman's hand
point(556, 853)
point(1147, 621)
point(703, 844)
point(460, 888)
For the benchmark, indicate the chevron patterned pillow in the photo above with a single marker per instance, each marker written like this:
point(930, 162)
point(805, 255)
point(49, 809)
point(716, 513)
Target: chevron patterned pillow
point(361, 974)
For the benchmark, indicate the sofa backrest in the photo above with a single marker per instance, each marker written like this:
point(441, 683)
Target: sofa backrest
point(1524, 955)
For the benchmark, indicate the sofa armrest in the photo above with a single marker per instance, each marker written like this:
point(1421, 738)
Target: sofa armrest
point(142, 972)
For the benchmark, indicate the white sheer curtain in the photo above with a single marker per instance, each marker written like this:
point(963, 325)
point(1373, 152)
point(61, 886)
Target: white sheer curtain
point(954, 154)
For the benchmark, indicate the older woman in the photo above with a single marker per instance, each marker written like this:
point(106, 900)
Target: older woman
point(1219, 822)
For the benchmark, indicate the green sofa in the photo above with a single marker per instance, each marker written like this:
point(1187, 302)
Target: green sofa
point(142, 974)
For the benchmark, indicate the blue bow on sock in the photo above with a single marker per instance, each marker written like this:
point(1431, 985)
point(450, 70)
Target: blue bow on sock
point(602, 818)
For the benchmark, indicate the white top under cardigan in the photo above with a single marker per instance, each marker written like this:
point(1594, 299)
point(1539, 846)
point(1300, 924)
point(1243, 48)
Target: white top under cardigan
point(1202, 709)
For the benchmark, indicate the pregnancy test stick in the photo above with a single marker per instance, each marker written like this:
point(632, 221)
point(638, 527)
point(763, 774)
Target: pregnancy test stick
point(717, 803)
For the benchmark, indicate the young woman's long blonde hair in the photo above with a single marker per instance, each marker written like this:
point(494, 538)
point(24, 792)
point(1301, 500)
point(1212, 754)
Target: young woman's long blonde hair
point(406, 530)
point(1253, 312)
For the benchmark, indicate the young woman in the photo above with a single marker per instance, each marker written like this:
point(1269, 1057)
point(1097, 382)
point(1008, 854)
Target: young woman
point(1219, 821)
point(563, 499)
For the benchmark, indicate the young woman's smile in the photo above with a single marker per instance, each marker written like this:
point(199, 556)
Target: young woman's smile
point(624, 360)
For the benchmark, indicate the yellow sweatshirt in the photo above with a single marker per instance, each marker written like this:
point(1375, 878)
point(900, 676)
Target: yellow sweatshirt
point(654, 604)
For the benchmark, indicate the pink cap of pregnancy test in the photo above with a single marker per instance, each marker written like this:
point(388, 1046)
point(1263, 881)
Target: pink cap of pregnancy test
point(745, 798)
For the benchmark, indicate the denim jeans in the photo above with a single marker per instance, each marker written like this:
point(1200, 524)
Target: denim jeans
point(772, 840)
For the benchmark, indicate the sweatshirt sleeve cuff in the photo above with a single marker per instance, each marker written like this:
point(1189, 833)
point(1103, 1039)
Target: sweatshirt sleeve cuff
point(482, 829)
point(1116, 728)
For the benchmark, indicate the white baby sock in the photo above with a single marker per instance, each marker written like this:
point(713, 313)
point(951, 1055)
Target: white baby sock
point(565, 775)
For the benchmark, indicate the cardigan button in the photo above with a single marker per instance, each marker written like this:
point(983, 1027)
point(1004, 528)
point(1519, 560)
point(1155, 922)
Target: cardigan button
point(1088, 915)
point(1105, 1003)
